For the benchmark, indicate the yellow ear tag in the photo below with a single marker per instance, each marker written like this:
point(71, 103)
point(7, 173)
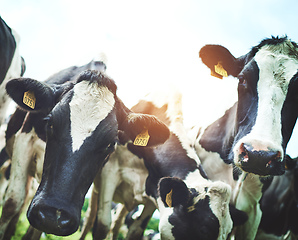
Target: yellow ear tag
point(142, 139)
point(220, 70)
point(169, 198)
point(29, 99)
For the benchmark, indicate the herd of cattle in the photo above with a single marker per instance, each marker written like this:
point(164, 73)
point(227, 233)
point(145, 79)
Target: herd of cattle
point(230, 180)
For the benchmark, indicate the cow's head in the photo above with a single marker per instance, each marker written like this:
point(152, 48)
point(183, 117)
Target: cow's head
point(201, 212)
point(267, 101)
point(82, 129)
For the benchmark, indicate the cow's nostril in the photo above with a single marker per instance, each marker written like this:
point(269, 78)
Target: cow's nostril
point(243, 153)
point(268, 163)
point(273, 158)
point(41, 216)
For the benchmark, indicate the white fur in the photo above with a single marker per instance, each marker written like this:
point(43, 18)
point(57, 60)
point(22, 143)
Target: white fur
point(215, 168)
point(89, 106)
point(165, 228)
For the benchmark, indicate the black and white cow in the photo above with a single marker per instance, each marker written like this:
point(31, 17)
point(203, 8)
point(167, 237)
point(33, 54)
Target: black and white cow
point(279, 205)
point(168, 177)
point(252, 134)
point(12, 65)
point(25, 145)
point(82, 125)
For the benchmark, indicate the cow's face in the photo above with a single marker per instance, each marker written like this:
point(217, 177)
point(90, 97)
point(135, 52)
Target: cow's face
point(201, 212)
point(267, 96)
point(82, 129)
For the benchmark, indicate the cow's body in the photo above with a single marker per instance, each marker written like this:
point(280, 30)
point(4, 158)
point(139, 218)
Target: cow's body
point(279, 205)
point(82, 124)
point(11, 65)
point(25, 144)
point(252, 134)
point(198, 209)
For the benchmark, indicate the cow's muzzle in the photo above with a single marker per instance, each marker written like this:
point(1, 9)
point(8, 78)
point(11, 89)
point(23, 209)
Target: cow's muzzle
point(47, 218)
point(260, 162)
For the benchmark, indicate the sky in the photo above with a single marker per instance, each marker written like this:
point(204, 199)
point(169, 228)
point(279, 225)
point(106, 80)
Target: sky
point(149, 45)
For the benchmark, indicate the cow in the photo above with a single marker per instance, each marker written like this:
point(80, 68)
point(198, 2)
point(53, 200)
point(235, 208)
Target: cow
point(279, 205)
point(12, 65)
point(25, 146)
point(168, 177)
point(82, 125)
point(253, 134)
point(262, 121)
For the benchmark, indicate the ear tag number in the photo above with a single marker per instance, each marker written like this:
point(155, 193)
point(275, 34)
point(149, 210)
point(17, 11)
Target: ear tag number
point(142, 139)
point(29, 99)
point(220, 70)
point(169, 198)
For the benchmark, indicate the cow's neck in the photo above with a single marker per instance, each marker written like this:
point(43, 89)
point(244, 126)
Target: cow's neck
point(218, 136)
point(213, 146)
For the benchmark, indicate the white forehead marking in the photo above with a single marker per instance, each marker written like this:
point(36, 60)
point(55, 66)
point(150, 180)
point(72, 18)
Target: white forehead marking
point(89, 106)
point(276, 71)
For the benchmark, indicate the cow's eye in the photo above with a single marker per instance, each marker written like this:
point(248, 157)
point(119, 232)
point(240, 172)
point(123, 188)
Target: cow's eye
point(49, 126)
point(242, 81)
point(50, 129)
point(111, 147)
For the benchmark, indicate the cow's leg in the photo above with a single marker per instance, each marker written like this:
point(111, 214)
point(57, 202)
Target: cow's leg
point(247, 200)
point(90, 214)
point(118, 221)
point(106, 181)
point(32, 234)
point(136, 230)
point(3, 180)
point(16, 191)
point(11, 228)
point(250, 228)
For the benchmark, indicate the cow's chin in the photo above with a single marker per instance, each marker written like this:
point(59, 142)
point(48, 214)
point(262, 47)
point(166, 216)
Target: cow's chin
point(51, 217)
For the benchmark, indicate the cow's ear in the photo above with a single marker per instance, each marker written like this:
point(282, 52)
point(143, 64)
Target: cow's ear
point(290, 163)
point(30, 94)
point(33, 95)
point(145, 130)
point(173, 191)
point(220, 61)
point(238, 217)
